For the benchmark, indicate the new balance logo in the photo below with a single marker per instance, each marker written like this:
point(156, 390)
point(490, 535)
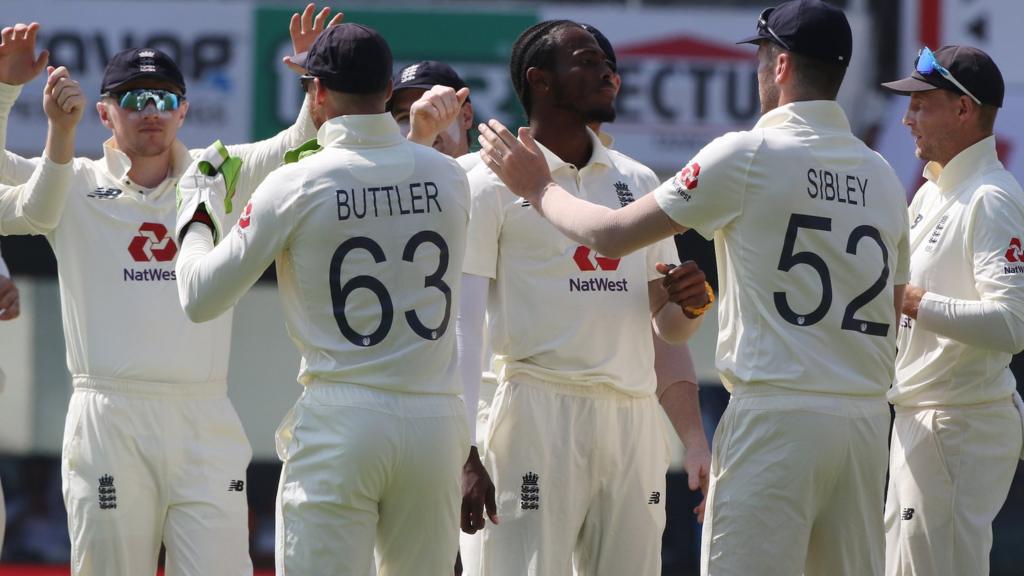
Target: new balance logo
point(236, 486)
point(107, 493)
point(102, 193)
point(655, 498)
point(622, 191)
point(529, 498)
point(908, 514)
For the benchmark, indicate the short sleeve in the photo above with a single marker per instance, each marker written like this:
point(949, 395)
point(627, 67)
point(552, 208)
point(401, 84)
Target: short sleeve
point(485, 219)
point(707, 194)
point(996, 244)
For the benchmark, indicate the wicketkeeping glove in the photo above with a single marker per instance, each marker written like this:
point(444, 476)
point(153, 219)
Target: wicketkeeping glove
point(208, 183)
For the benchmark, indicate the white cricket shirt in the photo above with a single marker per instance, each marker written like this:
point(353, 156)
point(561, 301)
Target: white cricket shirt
point(369, 237)
point(810, 233)
point(557, 310)
point(967, 232)
point(115, 262)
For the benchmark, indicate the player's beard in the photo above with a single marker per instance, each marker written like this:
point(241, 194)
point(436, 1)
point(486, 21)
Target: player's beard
point(591, 113)
point(768, 91)
point(601, 115)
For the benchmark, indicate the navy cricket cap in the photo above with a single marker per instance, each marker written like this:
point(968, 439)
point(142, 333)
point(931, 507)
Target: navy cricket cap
point(135, 64)
point(349, 58)
point(970, 66)
point(605, 45)
point(810, 28)
point(427, 74)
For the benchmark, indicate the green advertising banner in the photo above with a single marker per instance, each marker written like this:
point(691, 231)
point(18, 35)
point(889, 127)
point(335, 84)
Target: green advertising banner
point(475, 43)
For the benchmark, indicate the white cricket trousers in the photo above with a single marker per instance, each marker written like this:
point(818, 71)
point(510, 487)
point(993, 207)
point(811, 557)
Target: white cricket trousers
point(145, 463)
point(579, 473)
point(797, 486)
point(366, 467)
point(950, 471)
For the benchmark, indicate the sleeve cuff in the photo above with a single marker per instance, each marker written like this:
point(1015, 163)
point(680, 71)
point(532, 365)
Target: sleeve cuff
point(9, 94)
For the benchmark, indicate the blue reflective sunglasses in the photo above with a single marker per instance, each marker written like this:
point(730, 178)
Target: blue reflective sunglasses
point(926, 64)
point(137, 100)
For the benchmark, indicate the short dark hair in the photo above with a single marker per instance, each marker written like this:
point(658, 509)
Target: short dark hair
point(535, 48)
point(987, 117)
point(815, 78)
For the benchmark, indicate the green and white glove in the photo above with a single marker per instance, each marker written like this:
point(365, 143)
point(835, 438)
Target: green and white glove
point(208, 183)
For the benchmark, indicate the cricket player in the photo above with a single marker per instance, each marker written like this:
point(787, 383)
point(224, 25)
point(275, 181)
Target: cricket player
point(574, 443)
point(957, 435)
point(812, 248)
point(153, 450)
point(63, 104)
point(368, 231)
point(414, 81)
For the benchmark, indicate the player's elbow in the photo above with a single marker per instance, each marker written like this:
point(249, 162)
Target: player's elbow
point(198, 313)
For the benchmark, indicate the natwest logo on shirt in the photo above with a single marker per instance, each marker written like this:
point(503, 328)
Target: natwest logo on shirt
point(1014, 255)
point(686, 180)
point(243, 222)
point(152, 243)
point(589, 261)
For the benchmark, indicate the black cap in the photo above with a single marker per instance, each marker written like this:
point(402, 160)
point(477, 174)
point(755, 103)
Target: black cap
point(807, 27)
point(128, 66)
point(349, 58)
point(605, 45)
point(970, 66)
point(427, 74)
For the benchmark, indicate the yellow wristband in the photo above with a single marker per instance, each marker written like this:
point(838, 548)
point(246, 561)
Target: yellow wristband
point(697, 312)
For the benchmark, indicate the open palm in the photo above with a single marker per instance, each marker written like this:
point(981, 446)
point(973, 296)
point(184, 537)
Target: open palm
point(18, 60)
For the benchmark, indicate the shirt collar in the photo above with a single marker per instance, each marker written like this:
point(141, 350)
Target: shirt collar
point(969, 161)
point(360, 130)
point(821, 114)
point(599, 155)
point(119, 164)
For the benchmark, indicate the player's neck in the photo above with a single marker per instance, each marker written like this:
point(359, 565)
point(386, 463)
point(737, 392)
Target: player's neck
point(566, 137)
point(150, 171)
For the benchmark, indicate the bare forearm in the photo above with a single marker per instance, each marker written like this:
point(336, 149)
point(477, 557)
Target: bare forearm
point(682, 406)
point(673, 326)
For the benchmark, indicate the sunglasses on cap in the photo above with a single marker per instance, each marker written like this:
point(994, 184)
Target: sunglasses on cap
point(306, 81)
point(137, 100)
point(927, 64)
point(762, 26)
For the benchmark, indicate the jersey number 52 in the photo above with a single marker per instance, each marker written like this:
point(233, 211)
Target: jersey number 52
point(788, 259)
point(340, 293)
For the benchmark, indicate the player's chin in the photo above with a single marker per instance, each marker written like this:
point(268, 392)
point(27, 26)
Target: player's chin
point(601, 113)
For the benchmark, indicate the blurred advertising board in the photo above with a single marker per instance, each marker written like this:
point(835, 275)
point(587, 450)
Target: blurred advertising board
point(993, 26)
point(207, 40)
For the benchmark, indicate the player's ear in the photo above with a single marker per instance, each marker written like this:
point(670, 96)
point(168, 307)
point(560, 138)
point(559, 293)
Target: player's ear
point(783, 67)
point(466, 116)
point(184, 112)
point(101, 109)
point(390, 90)
point(538, 79)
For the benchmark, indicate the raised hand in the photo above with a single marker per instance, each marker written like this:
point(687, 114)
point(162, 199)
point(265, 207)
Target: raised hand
point(520, 164)
point(18, 61)
point(304, 29)
point(63, 100)
point(433, 112)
